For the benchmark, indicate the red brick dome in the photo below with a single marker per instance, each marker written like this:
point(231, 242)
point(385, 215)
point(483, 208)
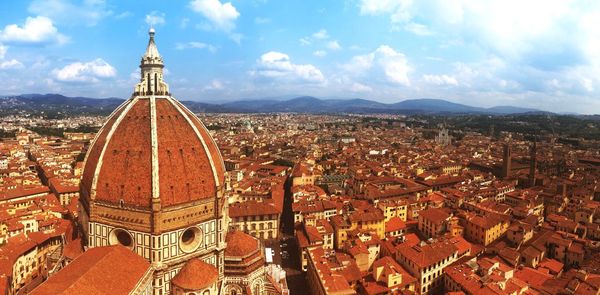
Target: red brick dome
point(240, 244)
point(196, 275)
point(152, 147)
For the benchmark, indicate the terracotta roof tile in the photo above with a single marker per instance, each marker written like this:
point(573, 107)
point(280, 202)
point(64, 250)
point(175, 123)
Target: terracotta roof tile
point(185, 171)
point(240, 244)
point(196, 275)
point(101, 270)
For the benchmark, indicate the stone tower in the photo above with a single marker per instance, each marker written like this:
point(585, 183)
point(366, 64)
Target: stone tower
point(506, 160)
point(532, 163)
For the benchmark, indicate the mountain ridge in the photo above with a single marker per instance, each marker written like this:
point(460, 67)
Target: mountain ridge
point(300, 104)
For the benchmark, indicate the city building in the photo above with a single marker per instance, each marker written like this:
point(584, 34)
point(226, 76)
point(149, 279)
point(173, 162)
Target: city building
point(426, 262)
point(259, 219)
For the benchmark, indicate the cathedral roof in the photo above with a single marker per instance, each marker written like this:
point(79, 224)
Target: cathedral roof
point(196, 275)
point(100, 270)
point(152, 148)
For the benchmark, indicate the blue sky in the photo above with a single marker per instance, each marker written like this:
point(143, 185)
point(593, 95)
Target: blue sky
point(532, 53)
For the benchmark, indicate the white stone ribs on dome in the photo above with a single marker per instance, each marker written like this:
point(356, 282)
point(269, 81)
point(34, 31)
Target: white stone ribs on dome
point(175, 103)
point(130, 104)
point(99, 133)
point(154, 146)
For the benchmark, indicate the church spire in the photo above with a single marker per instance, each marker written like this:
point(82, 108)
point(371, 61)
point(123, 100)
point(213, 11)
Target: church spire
point(152, 55)
point(151, 82)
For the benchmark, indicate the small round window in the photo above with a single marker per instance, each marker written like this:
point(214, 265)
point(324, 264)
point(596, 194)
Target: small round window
point(190, 239)
point(122, 237)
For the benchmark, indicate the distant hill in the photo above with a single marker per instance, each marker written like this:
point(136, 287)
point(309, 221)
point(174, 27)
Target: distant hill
point(429, 105)
point(309, 104)
point(512, 110)
point(56, 105)
point(60, 105)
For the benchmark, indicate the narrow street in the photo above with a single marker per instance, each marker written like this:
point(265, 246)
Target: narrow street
point(296, 279)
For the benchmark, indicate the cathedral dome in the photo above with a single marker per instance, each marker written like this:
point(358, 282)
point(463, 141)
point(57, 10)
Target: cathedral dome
point(196, 275)
point(152, 149)
point(240, 244)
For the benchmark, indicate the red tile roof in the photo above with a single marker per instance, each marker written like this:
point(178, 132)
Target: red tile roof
point(196, 275)
point(240, 244)
point(252, 208)
point(394, 224)
point(435, 215)
point(101, 270)
point(424, 256)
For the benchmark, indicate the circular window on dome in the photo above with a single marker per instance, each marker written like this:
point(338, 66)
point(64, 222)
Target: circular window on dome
point(121, 237)
point(190, 239)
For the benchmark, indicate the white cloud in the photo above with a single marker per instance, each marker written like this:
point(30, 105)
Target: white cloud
point(88, 12)
point(382, 64)
point(184, 22)
point(533, 49)
point(277, 65)
point(3, 50)
point(418, 29)
point(321, 34)
point(221, 15)
point(359, 87)
point(320, 53)
point(440, 80)
point(11, 64)
point(122, 15)
point(155, 18)
point(135, 76)
point(195, 45)
point(236, 37)
point(588, 84)
point(261, 20)
point(551, 25)
point(304, 41)
point(334, 45)
point(89, 72)
point(397, 8)
point(36, 30)
point(214, 85)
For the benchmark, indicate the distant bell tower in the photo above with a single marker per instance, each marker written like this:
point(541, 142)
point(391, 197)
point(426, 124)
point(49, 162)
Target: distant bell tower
point(532, 163)
point(506, 161)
